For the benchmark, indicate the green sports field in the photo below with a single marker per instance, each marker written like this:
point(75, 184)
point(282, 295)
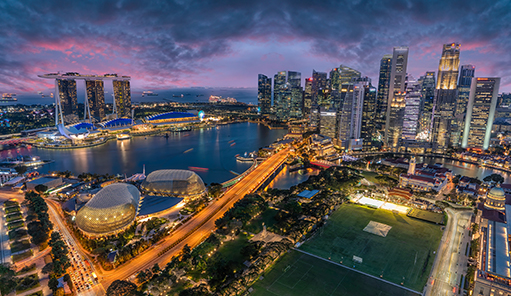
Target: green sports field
point(404, 256)
point(298, 274)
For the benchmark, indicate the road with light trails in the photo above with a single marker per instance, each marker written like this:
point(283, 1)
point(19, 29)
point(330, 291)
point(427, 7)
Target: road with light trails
point(200, 226)
point(451, 260)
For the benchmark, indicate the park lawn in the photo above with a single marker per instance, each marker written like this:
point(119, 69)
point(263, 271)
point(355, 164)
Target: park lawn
point(28, 283)
point(267, 217)
point(15, 225)
point(297, 274)
point(19, 257)
point(13, 217)
point(405, 255)
point(370, 176)
point(18, 246)
point(231, 250)
point(10, 210)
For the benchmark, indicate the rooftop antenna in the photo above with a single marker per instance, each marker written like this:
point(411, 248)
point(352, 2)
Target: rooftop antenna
point(143, 169)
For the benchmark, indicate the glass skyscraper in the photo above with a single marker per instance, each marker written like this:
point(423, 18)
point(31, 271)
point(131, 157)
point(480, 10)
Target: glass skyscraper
point(427, 83)
point(122, 95)
point(67, 95)
point(480, 112)
point(264, 94)
point(465, 79)
point(383, 92)
point(96, 98)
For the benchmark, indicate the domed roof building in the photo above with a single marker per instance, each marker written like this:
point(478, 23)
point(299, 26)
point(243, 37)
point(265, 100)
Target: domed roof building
point(180, 183)
point(111, 210)
point(495, 199)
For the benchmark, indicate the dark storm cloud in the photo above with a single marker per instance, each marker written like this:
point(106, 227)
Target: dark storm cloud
point(171, 42)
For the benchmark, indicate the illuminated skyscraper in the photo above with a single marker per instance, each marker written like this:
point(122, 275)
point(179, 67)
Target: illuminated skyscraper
point(504, 100)
point(464, 82)
point(328, 123)
point(96, 98)
point(481, 107)
point(67, 95)
point(383, 92)
point(307, 97)
point(318, 84)
point(396, 101)
point(446, 95)
point(296, 104)
point(368, 131)
point(264, 94)
point(412, 110)
point(334, 79)
point(350, 120)
point(347, 78)
point(122, 95)
point(283, 99)
point(427, 84)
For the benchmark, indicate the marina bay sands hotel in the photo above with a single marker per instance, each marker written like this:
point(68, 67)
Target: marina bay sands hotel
point(66, 102)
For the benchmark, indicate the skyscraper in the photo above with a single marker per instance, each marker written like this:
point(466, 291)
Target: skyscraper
point(504, 100)
point(396, 101)
point(368, 127)
point(427, 83)
point(284, 83)
point(96, 98)
point(383, 92)
point(317, 87)
point(67, 95)
point(296, 104)
point(464, 82)
point(446, 95)
point(264, 94)
point(481, 107)
point(328, 123)
point(122, 95)
point(350, 119)
point(347, 77)
point(307, 97)
point(412, 110)
point(334, 79)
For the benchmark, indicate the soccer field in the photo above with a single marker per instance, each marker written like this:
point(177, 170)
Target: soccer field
point(404, 256)
point(297, 274)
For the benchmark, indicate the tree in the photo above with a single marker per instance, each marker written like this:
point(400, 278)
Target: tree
point(53, 284)
point(21, 169)
point(41, 188)
point(121, 288)
point(47, 268)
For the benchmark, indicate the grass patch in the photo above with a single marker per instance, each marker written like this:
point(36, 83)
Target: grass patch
point(17, 234)
point(11, 203)
point(370, 176)
point(27, 269)
point(297, 274)
point(38, 293)
point(267, 217)
point(28, 283)
point(404, 255)
point(10, 210)
point(19, 257)
point(230, 251)
point(15, 225)
point(13, 217)
point(20, 246)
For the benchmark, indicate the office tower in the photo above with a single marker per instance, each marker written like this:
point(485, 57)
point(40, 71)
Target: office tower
point(347, 77)
point(445, 96)
point(412, 110)
point(383, 92)
point(504, 100)
point(463, 88)
point(347, 74)
point(67, 95)
point(264, 94)
point(481, 107)
point(307, 97)
point(284, 83)
point(296, 104)
point(334, 79)
point(122, 95)
point(368, 131)
point(396, 101)
point(328, 123)
point(96, 98)
point(318, 84)
point(427, 83)
point(350, 120)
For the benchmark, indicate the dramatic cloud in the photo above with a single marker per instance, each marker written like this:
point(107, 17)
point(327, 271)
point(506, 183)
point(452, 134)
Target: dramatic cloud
point(164, 44)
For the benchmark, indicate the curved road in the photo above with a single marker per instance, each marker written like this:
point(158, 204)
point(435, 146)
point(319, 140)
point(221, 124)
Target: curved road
point(199, 227)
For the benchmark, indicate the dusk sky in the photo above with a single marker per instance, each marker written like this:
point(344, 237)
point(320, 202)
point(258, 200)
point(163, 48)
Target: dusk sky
point(166, 44)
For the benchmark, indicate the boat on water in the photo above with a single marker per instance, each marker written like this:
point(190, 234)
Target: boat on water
point(23, 160)
point(198, 169)
point(6, 97)
point(123, 136)
point(234, 143)
point(189, 150)
point(231, 141)
point(149, 93)
point(247, 157)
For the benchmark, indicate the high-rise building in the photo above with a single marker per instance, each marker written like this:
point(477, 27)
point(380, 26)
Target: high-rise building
point(481, 107)
point(96, 98)
point(446, 95)
point(334, 79)
point(318, 84)
point(504, 100)
point(368, 132)
point(464, 82)
point(67, 95)
point(412, 110)
point(328, 123)
point(396, 101)
point(383, 92)
point(307, 97)
point(264, 94)
point(283, 99)
point(350, 120)
point(122, 95)
point(347, 77)
point(427, 83)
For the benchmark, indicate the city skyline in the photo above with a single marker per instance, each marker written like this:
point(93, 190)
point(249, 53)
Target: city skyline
point(180, 45)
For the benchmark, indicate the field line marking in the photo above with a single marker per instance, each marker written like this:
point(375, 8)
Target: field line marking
point(361, 272)
point(311, 266)
point(337, 285)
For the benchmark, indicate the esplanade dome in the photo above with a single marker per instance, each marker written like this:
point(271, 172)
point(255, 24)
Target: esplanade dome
point(111, 210)
point(180, 183)
point(495, 199)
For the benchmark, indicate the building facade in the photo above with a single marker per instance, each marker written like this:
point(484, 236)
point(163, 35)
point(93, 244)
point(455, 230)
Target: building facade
point(481, 107)
point(427, 83)
point(465, 80)
point(264, 94)
point(67, 95)
point(122, 96)
point(383, 92)
point(96, 98)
